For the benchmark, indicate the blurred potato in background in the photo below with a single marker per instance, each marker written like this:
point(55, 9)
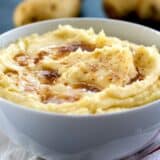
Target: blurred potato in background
point(146, 12)
point(29, 11)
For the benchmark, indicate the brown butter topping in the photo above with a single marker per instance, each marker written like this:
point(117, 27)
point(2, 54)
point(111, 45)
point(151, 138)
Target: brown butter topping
point(66, 49)
point(50, 76)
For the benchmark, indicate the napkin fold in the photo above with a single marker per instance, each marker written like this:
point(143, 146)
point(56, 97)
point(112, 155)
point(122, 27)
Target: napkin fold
point(10, 151)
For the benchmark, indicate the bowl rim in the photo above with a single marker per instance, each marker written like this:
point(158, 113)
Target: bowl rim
point(109, 20)
point(79, 116)
point(105, 114)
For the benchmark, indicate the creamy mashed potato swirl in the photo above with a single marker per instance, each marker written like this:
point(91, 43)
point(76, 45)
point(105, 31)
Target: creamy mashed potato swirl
point(78, 71)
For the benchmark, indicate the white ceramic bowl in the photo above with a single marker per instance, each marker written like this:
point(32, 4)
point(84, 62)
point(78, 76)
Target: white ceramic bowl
point(103, 137)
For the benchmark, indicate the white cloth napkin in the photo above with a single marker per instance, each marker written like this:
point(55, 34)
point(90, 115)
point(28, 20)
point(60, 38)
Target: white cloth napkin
point(9, 151)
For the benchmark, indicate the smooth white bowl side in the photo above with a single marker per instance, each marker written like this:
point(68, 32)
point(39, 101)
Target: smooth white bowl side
point(70, 137)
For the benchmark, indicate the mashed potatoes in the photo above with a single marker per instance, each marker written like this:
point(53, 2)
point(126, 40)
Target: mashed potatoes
point(76, 71)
